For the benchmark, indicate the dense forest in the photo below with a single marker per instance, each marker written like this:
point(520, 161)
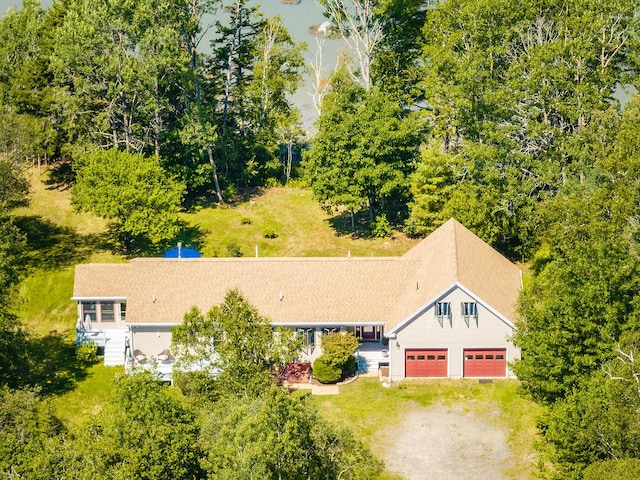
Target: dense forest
point(510, 116)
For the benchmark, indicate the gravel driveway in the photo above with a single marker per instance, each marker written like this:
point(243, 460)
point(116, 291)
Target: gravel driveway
point(443, 443)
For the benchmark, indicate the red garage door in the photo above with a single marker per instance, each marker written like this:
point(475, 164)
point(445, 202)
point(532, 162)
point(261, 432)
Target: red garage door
point(426, 363)
point(485, 362)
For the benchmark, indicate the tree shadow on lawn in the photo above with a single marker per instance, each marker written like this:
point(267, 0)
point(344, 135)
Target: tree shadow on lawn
point(53, 364)
point(61, 176)
point(341, 224)
point(51, 246)
point(207, 199)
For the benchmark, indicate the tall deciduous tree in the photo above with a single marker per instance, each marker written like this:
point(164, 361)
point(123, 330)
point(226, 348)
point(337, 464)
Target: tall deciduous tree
point(122, 71)
point(234, 344)
point(145, 431)
point(279, 436)
point(397, 63)
point(133, 193)
point(29, 426)
point(364, 150)
point(583, 294)
point(601, 420)
point(361, 29)
point(508, 88)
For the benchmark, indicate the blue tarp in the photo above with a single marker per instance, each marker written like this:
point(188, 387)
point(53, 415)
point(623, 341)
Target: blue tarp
point(182, 253)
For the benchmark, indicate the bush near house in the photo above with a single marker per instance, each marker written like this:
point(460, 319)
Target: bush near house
point(324, 371)
point(338, 359)
point(87, 353)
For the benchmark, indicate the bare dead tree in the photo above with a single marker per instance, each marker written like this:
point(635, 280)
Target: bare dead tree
point(360, 30)
point(320, 80)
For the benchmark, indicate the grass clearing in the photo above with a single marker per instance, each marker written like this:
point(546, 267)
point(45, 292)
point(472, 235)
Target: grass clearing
point(302, 227)
point(53, 204)
point(89, 395)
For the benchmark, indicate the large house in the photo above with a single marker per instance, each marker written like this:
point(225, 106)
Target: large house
point(444, 309)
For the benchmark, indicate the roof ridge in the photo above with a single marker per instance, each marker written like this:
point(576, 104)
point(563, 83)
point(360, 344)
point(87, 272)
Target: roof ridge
point(456, 260)
point(261, 259)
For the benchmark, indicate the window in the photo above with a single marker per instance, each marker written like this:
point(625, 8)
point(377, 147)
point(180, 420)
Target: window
point(329, 331)
point(469, 311)
point(102, 311)
point(123, 311)
point(308, 337)
point(89, 310)
point(107, 312)
point(443, 311)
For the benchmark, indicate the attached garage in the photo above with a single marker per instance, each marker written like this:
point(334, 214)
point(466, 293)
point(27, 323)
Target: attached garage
point(426, 363)
point(485, 362)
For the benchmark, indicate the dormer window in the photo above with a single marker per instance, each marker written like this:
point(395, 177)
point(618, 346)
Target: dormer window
point(469, 312)
point(443, 313)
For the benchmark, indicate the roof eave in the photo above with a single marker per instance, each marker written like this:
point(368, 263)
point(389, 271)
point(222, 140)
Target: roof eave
point(98, 298)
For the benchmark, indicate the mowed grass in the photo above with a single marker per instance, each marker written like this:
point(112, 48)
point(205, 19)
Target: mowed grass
point(89, 395)
point(302, 227)
point(57, 239)
point(53, 203)
point(371, 410)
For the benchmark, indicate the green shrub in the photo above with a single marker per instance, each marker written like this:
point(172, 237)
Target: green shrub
point(350, 367)
point(325, 372)
point(233, 250)
point(269, 232)
point(87, 353)
point(339, 347)
point(230, 193)
point(624, 469)
point(380, 227)
point(273, 182)
point(245, 221)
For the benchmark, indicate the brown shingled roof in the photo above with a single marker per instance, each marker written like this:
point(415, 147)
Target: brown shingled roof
point(102, 280)
point(452, 254)
point(310, 290)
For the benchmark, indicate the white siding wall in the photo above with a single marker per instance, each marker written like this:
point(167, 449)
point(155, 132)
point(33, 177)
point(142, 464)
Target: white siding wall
point(425, 332)
point(150, 340)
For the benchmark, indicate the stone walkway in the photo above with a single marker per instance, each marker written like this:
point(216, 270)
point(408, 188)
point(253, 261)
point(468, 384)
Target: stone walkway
point(316, 389)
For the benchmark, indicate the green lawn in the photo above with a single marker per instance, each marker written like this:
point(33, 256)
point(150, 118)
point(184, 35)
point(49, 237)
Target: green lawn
point(302, 227)
point(89, 395)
